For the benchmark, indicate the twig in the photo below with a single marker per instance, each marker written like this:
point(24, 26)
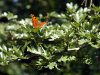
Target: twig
point(73, 49)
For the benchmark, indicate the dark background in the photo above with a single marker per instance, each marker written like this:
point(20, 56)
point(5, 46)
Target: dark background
point(23, 8)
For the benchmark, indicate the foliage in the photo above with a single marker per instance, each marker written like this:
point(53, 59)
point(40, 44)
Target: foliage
point(68, 44)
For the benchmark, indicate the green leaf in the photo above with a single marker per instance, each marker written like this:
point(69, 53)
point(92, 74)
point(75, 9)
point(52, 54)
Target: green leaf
point(52, 65)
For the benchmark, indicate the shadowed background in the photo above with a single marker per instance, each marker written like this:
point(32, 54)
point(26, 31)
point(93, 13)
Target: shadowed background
point(23, 8)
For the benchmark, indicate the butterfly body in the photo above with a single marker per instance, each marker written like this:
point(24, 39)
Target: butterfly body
point(36, 23)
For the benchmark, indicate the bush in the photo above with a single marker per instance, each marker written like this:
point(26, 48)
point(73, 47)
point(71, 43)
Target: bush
point(68, 44)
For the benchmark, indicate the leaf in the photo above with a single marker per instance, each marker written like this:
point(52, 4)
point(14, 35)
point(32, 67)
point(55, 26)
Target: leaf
point(82, 41)
point(52, 65)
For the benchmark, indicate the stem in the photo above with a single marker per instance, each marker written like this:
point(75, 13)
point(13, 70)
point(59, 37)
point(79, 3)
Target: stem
point(91, 3)
point(73, 49)
point(85, 2)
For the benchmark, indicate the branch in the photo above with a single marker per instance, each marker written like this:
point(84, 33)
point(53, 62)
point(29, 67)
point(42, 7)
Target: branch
point(73, 49)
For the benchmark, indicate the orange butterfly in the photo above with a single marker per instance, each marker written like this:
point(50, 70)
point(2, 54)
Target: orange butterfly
point(36, 23)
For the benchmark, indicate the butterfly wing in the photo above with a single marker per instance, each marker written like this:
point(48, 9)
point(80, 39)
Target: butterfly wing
point(42, 24)
point(34, 21)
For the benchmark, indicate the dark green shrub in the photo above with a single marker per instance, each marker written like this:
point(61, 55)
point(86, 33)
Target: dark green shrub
point(68, 44)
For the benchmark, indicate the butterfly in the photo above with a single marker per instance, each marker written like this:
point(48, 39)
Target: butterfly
point(36, 23)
